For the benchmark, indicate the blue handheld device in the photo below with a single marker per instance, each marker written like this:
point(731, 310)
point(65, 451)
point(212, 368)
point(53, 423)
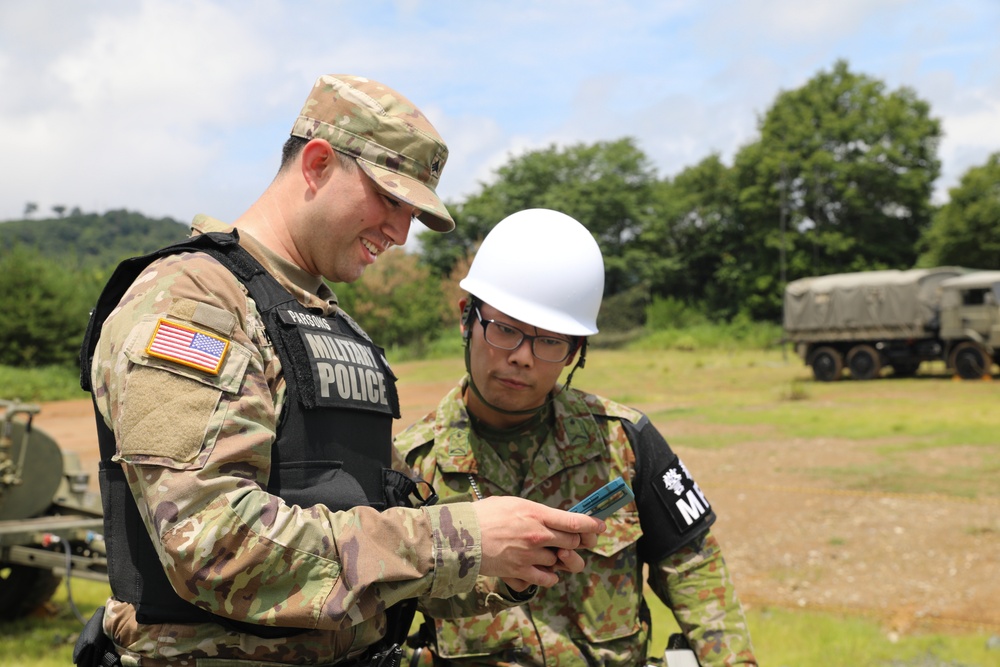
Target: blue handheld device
point(606, 500)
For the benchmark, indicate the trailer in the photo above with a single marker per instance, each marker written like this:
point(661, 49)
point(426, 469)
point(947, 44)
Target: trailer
point(51, 523)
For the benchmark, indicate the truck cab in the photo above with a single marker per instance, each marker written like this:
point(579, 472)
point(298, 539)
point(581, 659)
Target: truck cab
point(970, 322)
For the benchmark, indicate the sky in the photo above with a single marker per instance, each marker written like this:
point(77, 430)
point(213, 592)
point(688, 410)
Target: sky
point(178, 107)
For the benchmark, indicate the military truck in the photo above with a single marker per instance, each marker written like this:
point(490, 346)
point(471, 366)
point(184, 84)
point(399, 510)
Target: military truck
point(872, 320)
point(50, 520)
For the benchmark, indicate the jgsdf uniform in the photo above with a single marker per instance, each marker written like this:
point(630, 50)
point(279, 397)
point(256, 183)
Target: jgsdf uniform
point(598, 617)
point(187, 375)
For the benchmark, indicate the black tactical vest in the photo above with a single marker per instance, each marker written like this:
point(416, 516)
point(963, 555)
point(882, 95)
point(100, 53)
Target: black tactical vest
point(334, 436)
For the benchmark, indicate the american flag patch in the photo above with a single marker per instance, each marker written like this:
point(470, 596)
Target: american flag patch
point(187, 346)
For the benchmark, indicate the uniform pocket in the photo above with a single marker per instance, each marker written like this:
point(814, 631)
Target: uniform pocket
point(169, 411)
point(231, 371)
point(478, 636)
point(611, 583)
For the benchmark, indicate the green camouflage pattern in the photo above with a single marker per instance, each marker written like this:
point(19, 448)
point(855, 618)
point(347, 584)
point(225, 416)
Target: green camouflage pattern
point(196, 450)
point(389, 136)
point(591, 618)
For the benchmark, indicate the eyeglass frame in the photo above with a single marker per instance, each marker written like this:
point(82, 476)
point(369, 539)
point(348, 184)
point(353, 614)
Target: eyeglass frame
point(572, 343)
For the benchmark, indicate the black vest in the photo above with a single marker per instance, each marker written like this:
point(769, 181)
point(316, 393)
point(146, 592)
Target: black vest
point(333, 442)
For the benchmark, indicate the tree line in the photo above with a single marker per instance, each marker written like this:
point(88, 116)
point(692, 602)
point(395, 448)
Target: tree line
point(838, 179)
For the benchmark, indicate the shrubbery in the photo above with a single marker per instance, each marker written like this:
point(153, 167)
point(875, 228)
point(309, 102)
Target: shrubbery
point(43, 309)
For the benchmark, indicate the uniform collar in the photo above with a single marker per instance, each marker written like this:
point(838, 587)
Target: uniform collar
point(575, 439)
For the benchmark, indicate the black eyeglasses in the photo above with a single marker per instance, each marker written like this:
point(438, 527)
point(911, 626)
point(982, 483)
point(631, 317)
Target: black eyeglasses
point(506, 337)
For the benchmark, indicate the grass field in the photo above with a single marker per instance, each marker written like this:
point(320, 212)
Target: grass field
point(925, 437)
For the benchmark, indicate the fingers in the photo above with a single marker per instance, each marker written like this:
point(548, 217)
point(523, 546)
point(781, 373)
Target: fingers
point(572, 522)
point(531, 543)
point(541, 576)
point(518, 585)
point(568, 561)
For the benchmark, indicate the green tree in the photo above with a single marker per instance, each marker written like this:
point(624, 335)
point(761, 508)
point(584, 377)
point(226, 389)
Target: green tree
point(45, 309)
point(607, 186)
point(398, 300)
point(86, 240)
point(966, 230)
point(848, 166)
point(696, 230)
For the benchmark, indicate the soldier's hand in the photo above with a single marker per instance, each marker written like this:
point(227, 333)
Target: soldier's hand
point(525, 542)
point(568, 561)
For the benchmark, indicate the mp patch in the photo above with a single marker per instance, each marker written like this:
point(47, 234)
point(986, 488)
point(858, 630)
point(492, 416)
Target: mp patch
point(187, 346)
point(679, 493)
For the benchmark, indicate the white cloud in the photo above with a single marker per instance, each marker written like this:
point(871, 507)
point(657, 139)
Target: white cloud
point(173, 107)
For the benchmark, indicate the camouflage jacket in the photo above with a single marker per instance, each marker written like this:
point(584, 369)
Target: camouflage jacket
point(196, 450)
point(595, 617)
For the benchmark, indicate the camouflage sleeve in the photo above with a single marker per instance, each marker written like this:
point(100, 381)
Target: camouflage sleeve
point(196, 451)
point(490, 596)
point(696, 584)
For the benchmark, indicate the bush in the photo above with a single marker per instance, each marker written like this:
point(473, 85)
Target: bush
point(624, 311)
point(671, 313)
point(397, 301)
point(44, 309)
point(672, 324)
point(44, 383)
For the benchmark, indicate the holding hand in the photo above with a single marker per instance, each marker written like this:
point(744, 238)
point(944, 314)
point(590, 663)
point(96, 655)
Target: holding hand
point(526, 543)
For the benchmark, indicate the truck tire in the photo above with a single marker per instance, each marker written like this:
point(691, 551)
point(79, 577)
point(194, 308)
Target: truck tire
point(23, 589)
point(970, 360)
point(864, 362)
point(827, 364)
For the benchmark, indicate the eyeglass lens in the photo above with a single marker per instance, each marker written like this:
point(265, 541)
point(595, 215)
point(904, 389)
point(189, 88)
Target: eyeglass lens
point(507, 337)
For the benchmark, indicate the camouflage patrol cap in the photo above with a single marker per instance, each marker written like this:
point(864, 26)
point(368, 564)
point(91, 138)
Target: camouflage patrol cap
point(391, 139)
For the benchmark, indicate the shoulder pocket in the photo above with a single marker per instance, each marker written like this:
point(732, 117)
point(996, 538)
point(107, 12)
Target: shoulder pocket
point(171, 413)
point(231, 369)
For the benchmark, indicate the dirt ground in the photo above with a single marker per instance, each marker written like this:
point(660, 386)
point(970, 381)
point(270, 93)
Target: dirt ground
point(913, 562)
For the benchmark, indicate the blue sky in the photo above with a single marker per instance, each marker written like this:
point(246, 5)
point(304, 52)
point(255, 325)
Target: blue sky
point(178, 107)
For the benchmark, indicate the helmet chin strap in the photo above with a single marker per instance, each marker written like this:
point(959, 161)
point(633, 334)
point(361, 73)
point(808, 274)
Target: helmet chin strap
point(580, 363)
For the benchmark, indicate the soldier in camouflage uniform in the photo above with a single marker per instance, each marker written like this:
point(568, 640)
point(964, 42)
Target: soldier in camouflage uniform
point(252, 513)
point(508, 429)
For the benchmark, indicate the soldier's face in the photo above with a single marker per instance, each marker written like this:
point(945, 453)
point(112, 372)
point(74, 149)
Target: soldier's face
point(509, 379)
point(352, 222)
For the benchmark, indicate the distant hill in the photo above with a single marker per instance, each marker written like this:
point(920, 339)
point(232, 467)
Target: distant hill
point(92, 239)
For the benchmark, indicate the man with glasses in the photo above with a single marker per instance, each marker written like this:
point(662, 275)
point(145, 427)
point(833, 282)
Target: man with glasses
point(253, 510)
point(509, 429)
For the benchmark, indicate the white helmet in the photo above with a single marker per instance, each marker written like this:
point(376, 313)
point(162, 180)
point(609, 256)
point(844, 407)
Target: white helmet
point(541, 267)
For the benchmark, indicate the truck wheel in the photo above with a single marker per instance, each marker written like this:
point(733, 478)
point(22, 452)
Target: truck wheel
point(970, 360)
point(827, 364)
point(864, 362)
point(23, 589)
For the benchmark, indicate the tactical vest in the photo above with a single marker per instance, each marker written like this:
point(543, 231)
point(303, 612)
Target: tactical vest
point(333, 442)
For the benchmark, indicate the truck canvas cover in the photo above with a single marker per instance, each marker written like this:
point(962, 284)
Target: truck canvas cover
point(893, 303)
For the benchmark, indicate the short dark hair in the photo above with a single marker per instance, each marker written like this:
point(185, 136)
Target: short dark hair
point(293, 146)
point(291, 149)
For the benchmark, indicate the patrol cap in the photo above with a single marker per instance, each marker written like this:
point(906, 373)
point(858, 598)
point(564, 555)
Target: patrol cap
point(391, 139)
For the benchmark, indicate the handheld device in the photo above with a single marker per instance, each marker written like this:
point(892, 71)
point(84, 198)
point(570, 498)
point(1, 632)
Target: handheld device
point(606, 500)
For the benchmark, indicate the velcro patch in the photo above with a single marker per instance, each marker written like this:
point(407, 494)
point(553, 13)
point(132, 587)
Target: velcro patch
point(188, 346)
point(680, 494)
